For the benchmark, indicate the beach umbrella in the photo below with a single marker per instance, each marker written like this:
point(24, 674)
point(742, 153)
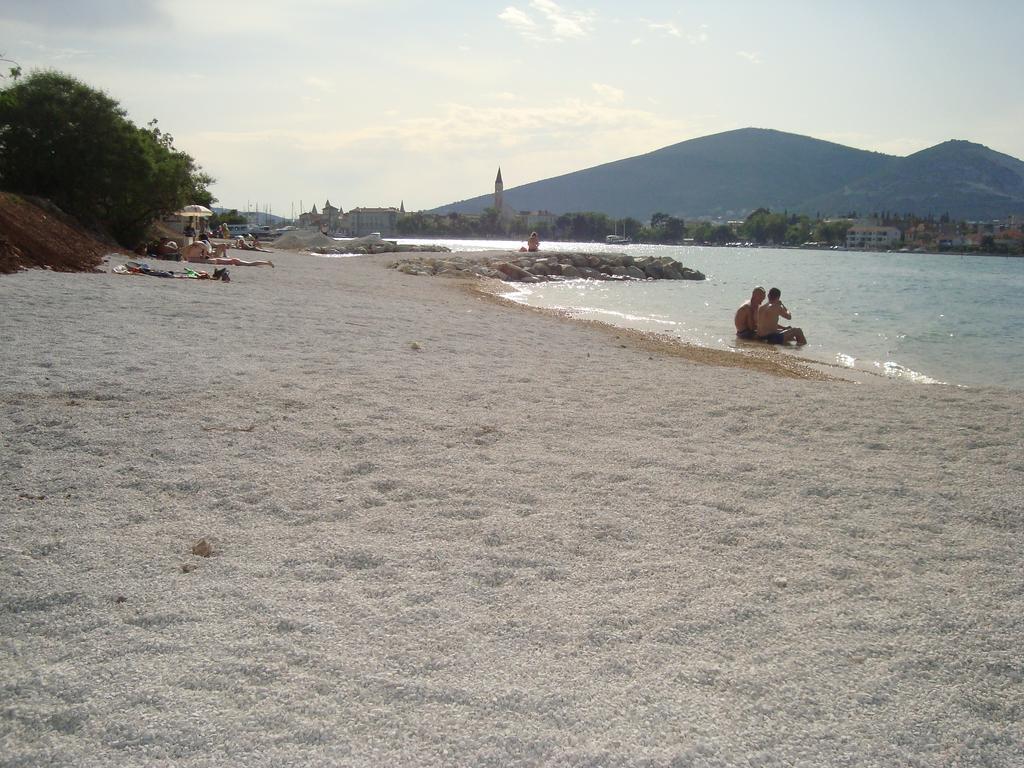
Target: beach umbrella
point(199, 211)
point(195, 211)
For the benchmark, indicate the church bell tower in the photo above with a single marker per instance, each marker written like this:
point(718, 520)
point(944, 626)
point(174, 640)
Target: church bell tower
point(499, 193)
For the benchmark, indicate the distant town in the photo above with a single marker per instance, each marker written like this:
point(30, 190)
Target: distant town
point(877, 231)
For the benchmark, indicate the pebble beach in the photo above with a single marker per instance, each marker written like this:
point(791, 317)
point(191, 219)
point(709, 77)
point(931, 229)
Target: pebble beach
point(446, 530)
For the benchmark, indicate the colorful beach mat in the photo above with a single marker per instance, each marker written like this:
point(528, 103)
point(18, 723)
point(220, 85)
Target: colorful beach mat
point(138, 268)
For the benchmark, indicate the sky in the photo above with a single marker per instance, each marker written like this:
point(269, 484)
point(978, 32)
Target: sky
point(382, 102)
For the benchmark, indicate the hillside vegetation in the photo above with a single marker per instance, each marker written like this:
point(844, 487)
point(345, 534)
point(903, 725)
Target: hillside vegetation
point(730, 174)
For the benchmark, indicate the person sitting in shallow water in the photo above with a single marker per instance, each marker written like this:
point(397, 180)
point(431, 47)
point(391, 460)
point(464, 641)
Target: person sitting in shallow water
point(746, 316)
point(768, 327)
point(201, 252)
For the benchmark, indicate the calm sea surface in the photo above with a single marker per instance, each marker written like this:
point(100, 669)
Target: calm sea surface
point(923, 318)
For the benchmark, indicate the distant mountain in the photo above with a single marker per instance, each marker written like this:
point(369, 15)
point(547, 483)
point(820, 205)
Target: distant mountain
point(966, 180)
point(727, 175)
point(255, 217)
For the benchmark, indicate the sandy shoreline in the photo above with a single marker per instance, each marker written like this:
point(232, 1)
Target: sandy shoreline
point(449, 531)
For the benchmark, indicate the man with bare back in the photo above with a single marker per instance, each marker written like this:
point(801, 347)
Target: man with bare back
point(746, 316)
point(768, 327)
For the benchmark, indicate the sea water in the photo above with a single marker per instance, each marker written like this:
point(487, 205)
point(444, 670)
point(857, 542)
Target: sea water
point(924, 318)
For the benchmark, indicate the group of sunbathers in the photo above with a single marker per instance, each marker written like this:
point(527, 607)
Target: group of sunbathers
point(202, 251)
point(757, 321)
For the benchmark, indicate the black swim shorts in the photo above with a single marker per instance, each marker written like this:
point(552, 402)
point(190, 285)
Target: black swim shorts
point(774, 338)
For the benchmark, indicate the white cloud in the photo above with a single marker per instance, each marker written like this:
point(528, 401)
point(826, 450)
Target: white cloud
point(667, 27)
point(564, 24)
point(608, 92)
point(458, 128)
point(554, 23)
point(517, 19)
point(671, 29)
point(752, 57)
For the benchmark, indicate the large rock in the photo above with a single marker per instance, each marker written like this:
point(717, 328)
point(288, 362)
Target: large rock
point(520, 267)
point(654, 269)
point(672, 270)
point(590, 273)
point(515, 272)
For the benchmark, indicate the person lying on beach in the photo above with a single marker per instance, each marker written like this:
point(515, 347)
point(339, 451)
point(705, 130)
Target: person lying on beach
point(167, 247)
point(201, 252)
point(768, 327)
point(746, 316)
point(202, 249)
point(244, 245)
point(159, 249)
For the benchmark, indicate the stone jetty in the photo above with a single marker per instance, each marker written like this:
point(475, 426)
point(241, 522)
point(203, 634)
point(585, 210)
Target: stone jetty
point(521, 267)
point(314, 241)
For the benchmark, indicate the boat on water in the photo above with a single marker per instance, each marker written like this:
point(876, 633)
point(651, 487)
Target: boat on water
point(617, 240)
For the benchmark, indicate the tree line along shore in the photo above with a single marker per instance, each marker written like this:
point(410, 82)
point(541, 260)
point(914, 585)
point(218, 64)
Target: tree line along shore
point(760, 227)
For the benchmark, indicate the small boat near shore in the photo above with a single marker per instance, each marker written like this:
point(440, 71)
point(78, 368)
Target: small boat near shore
point(617, 240)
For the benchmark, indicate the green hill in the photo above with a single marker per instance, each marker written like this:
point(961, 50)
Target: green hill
point(729, 174)
point(966, 180)
point(723, 175)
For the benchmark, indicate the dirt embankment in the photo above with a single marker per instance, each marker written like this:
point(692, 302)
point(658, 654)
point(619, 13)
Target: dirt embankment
point(35, 233)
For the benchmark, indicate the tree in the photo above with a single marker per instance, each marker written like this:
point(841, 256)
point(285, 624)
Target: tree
point(227, 217)
point(666, 229)
point(65, 141)
point(799, 231)
point(763, 226)
point(706, 232)
point(583, 227)
point(832, 232)
point(490, 222)
point(13, 72)
point(722, 234)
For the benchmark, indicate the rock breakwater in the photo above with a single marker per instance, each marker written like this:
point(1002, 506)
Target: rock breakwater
point(316, 242)
point(532, 268)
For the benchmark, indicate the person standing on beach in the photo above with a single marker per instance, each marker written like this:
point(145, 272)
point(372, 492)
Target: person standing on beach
point(746, 315)
point(768, 328)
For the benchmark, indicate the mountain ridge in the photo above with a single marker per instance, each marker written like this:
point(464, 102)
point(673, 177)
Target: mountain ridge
point(729, 174)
